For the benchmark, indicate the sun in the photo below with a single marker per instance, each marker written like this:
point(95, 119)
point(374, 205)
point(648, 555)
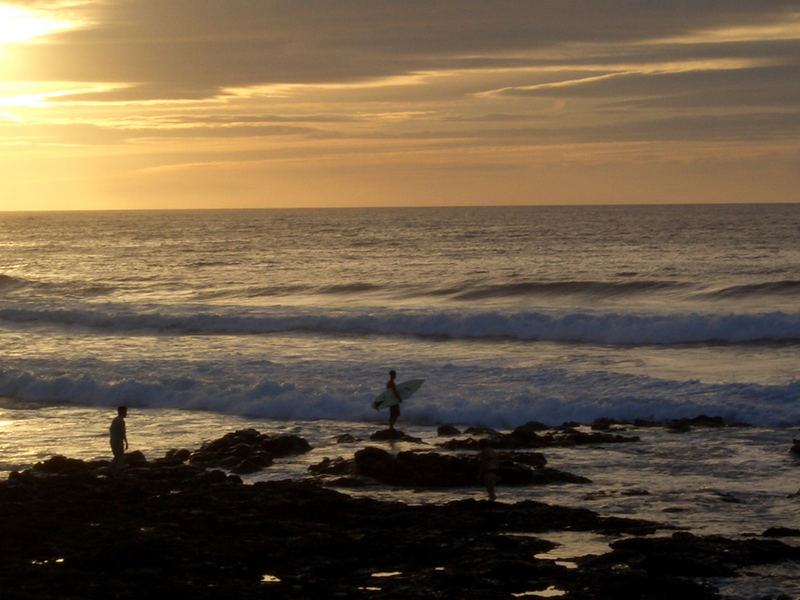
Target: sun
point(21, 25)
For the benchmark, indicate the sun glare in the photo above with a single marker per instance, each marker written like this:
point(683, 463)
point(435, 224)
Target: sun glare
point(21, 25)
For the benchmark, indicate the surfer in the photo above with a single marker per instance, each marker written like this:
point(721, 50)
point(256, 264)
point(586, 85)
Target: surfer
point(394, 411)
point(487, 473)
point(118, 437)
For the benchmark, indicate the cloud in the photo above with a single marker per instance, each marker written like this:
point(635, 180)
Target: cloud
point(351, 88)
point(191, 48)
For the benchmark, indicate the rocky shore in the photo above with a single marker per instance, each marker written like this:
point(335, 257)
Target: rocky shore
point(182, 527)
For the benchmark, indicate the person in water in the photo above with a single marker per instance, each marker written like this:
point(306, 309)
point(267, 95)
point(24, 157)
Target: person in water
point(118, 437)
point(487, 473)
point(394, 411)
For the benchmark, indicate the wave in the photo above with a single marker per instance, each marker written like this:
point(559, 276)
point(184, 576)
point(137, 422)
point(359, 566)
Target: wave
point(561, 288)
point(460, 396)
point(8, 282)
point(784, 287)
point(556, 326)
point(549, 290)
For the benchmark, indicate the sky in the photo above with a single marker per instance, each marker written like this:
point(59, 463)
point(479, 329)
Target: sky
point(151, 104)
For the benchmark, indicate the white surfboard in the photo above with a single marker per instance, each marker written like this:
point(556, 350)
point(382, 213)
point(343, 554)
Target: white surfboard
point(387, 398)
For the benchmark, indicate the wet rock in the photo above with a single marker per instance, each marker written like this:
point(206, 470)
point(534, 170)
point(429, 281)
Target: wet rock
point(174, 529)
point(532, 459)
point(482, 431)
point(174, 457)
point(447, 431)
point(346, 438)
point(525, 438)
point(706, 421)
point(605, 424)
point(684, 554)
point(335, 466)
point(135, 459)
point(795, 447)
point(679, 426)
point(393, 435)
point(60, 465)
point(247, 451)
point(686, 425)
point(433, 470)
point(531, 426)
point(781, 532)
point(465, 444)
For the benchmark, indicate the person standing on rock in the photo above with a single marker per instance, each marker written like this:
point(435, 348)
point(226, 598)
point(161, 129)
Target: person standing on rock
point(487, 473)
point(118, 437)
point(394, 411)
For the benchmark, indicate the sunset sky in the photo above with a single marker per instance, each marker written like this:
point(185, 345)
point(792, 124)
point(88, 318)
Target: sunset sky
point(120, 104)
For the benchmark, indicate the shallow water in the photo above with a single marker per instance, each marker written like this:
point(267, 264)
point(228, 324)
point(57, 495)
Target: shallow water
point(204, 322)
point(732, 481)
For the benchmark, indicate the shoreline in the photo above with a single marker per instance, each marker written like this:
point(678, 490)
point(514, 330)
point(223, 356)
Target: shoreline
point(168, 527)
point(175, 526)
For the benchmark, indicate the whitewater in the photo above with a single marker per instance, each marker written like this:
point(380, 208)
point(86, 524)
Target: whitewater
point(288, 321)
point(511, 314)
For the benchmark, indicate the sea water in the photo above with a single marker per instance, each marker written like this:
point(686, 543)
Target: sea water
point(289, 321)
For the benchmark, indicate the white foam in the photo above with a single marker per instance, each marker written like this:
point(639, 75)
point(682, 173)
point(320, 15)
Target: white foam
point(552, 325)
point(460, 395)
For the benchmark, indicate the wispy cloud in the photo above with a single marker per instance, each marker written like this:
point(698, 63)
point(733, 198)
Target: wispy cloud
point(167, 87)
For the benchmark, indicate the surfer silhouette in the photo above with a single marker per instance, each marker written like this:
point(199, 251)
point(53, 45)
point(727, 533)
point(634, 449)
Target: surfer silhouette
point(394, 411)
point(118, 437)
point(487, 472)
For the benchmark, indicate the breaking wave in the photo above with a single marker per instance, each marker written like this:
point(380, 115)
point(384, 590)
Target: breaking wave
point(557, 326)
point(549, 395)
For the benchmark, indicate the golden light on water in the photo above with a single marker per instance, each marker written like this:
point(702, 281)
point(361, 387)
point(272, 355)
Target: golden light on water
point(21, 25)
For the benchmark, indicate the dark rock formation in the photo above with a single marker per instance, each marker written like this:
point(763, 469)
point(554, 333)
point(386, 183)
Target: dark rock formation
point(447, 431)
point(692, 556)
point(795, 447)
point(781, 532)
point(175, 457)
point(432, 470)
point(393, 435)
point(247, 451)
point(171, 529)
point(481, 431)
point(605, 424)
point(685, 425)
point(530, 436)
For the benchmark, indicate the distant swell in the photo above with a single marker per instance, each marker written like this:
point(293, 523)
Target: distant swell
point(7, 282)
point(557, 288)
point(756, 289)
point(563, 326)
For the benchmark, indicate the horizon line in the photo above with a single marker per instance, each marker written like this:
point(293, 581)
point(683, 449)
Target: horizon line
point(396, 206)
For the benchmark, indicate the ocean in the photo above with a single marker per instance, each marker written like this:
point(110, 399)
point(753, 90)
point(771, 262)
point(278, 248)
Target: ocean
point(289, 321)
